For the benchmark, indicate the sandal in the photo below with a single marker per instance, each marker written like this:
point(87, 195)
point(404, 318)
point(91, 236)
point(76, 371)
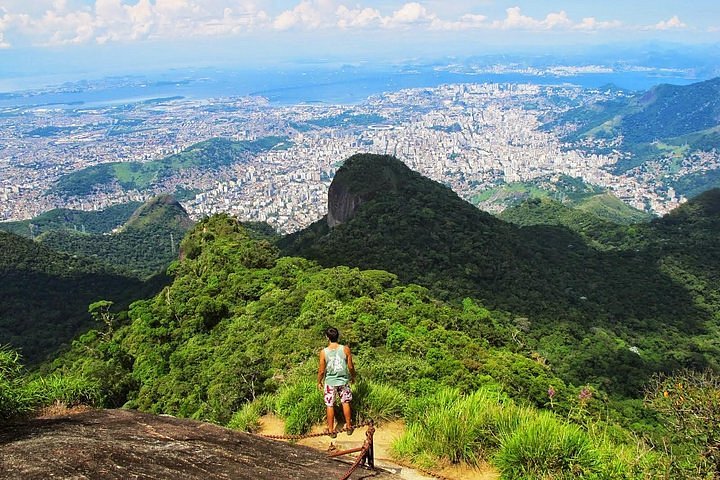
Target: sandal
point(349, 430)
point(330, 434)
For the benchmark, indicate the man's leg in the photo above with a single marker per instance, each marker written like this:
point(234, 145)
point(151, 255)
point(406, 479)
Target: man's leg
point(347, 411)
point(345, 399)
point(330, 418)
point(329, 398)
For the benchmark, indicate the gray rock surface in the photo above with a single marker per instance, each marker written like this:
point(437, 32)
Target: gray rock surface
point(125, 444)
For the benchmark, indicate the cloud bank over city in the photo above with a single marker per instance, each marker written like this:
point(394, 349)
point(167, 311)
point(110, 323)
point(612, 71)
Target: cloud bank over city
point(53, 23)
point(49, 41)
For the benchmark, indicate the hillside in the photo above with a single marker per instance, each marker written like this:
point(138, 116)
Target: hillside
point(593, 220)
point(44, 295)
point(570, 191)
point(684, 242)
point(668, 125)
point(144, 245)
point(669, 111)
point(566, 284)
point(663, 113)
point(103, 221)
point(208, 155)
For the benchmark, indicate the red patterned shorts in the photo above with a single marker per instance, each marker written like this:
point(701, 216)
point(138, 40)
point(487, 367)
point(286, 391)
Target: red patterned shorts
point(342, 391)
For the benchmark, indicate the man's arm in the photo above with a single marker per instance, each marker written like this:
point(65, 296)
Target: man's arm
point(321, 370)
point(351, 366)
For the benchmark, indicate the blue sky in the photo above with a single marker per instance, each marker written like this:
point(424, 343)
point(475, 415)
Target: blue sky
point(60, 34)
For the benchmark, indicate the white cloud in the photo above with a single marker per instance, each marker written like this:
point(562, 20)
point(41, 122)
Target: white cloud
point(671, 24)
point(57, 22)
point(591, 24)
point(308, 14)
point(515, 20)
point(410, 13)
point(466, 22)
point(357, 17)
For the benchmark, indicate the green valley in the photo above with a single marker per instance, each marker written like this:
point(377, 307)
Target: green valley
point(44, 295)
point(67, 270)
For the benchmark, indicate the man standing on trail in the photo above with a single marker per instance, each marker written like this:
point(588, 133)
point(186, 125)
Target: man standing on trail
point(335, 374)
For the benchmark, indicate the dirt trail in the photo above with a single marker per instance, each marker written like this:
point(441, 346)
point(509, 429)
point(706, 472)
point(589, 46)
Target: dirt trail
point(384, 436)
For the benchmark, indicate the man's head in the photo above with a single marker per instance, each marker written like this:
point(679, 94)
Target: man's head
point(332, 334)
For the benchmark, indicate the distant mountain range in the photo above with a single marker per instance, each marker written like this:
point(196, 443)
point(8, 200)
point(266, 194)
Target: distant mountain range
point(103, 221)
point(572, 192)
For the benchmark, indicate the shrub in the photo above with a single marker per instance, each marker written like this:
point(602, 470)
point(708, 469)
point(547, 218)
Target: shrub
point(292, 394)
point(68, 390)
point(454, 428)
point(15, 398)
point(307, 413)
point(18, 396)
point(689, 402)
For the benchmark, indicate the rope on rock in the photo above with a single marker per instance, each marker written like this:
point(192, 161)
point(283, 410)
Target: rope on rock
point(366, 452)
point(311, 435)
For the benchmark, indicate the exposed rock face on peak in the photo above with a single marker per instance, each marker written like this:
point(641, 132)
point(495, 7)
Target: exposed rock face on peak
point(342, 204)
point(122, 444)
point(361, 178)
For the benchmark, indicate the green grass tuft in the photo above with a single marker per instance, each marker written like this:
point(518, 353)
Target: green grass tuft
point(301, 405)
point(247, 418)
point(545, 448)
point(377, 402)
point(454, 428)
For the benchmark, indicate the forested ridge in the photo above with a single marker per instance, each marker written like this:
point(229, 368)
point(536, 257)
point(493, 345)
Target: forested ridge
point(144, 245)
point(44, 295)
point(48, 283)
point(611, 303)
point(103, 221)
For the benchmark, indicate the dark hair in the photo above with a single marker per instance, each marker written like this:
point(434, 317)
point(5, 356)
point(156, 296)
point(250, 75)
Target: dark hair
point(332, 334)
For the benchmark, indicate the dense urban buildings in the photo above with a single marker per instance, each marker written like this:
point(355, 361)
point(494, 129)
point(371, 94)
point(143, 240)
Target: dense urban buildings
point(471, 137)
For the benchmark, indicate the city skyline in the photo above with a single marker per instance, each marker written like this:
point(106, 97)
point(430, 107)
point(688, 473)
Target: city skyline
point(82, 38)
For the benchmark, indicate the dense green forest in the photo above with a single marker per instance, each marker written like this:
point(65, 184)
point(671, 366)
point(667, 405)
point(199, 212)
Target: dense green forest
point(210, 154)
point(44, 295)
point(144, 246)
point(66, 270)
point(237, 332)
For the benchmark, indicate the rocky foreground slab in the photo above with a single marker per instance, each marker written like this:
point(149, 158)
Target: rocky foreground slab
point(125, 444)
